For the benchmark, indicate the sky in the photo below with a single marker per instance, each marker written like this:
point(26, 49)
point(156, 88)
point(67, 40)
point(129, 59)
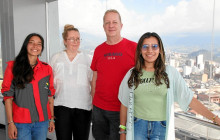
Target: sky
point(180, 23)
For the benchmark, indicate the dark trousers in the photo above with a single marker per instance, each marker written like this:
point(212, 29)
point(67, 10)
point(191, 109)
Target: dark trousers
point(72, 122)
point(105, 124)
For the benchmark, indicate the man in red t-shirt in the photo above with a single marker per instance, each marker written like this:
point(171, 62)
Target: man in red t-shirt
point(111, 61)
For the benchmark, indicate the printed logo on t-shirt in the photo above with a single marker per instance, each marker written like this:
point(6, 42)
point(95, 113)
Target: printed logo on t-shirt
point(46, 85)
point(112, 55)
point(147, 80)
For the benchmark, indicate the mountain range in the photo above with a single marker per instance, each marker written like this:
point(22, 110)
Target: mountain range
point(191, 42)
point(206, 55)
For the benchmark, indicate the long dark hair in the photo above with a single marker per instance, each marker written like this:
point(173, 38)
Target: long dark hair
point(159, 65)
point(22, 70)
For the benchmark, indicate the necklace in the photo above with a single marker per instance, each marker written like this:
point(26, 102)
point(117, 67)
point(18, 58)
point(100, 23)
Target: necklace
point(32, 65)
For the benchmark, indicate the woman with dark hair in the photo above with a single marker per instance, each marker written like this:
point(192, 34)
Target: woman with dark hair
point(28, 93)
point(148, 92)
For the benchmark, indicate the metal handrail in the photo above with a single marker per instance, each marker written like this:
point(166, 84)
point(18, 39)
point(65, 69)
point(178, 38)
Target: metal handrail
point(196, 120)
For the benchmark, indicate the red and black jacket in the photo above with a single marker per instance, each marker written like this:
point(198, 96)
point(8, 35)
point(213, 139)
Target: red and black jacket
point(31, 103)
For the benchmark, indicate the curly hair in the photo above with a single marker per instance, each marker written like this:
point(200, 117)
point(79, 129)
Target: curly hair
point(22, 70)
point(159, 65)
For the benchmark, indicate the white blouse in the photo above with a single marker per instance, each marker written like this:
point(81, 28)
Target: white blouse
point(72, 80)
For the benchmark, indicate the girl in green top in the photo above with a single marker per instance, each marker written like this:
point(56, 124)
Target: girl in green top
point(148, 92)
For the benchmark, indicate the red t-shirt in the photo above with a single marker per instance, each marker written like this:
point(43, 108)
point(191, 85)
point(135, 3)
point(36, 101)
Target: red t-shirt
point(111, 63)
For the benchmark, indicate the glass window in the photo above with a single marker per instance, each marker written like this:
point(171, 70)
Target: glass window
point(189, 29)
point(53, 28)
point(185, 28)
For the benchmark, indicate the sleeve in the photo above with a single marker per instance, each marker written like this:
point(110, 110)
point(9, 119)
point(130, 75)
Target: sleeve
point(90, 73)
point(182, 94)
point(8, 89)
point(51, 85)
point(134, 51)
point(94, 61)
point(124, 90)
point(52, 60)
point(134, 48)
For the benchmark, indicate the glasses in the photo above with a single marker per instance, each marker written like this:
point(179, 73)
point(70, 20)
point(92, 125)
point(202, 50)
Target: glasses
point(147, 47)
point(74, 40)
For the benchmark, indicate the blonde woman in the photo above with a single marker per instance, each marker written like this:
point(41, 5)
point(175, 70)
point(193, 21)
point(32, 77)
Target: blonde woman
point(72, 76)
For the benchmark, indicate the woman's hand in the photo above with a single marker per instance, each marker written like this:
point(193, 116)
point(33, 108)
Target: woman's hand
point(123, 120)
point(12, 131)
point(51, 126)
point(217, 120)
point(122, 136)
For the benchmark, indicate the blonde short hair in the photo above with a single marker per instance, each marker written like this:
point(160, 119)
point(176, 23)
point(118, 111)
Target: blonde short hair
point(111, 11)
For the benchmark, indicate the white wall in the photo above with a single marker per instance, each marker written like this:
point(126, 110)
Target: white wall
point(29, 17)
point(39, 17)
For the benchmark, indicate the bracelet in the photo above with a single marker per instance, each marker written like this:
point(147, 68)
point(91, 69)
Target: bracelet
point(51, 120)
point(122, 132)
point(122, 127)
point(213, 118)
point(10, 122)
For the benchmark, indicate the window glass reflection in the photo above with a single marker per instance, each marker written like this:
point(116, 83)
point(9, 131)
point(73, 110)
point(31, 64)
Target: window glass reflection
point(1, 71)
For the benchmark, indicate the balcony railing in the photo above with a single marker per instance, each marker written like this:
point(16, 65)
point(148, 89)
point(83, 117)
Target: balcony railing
point(188, 127)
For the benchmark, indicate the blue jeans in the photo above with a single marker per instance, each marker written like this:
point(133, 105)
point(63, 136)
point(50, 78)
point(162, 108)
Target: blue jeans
point(149, 130)
point(32, 131)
